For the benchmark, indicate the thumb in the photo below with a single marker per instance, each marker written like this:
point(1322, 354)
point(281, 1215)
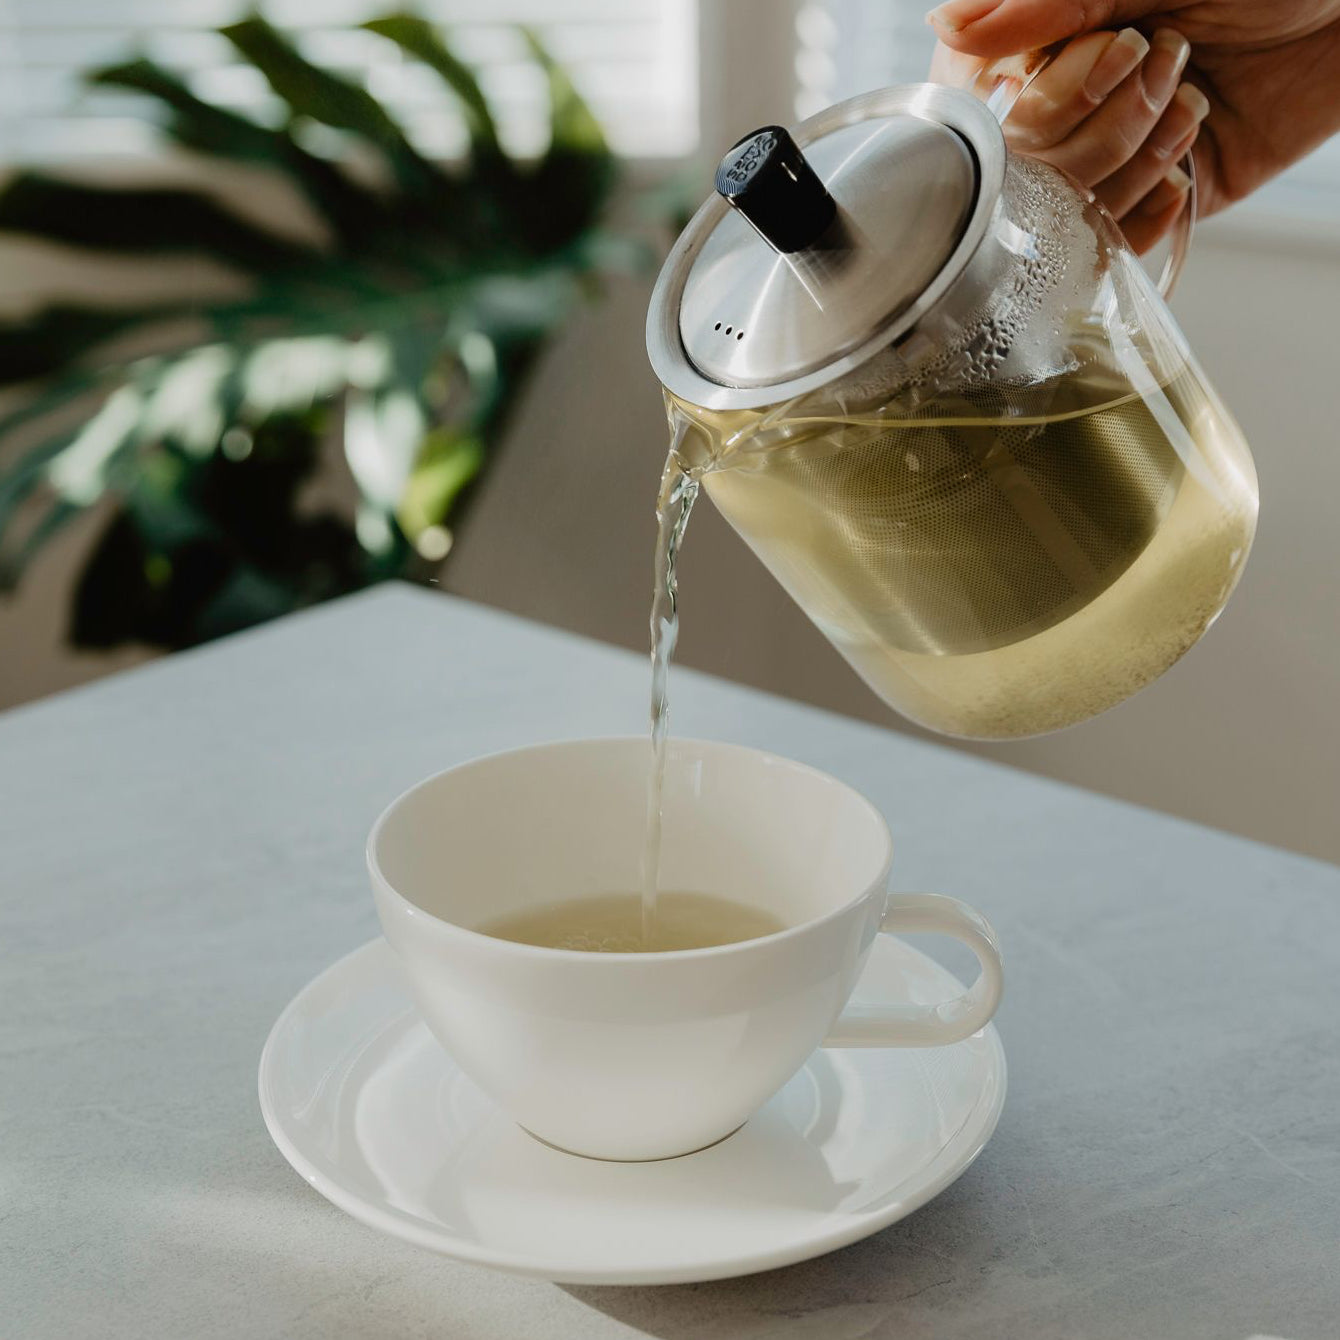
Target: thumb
point(1007, 27)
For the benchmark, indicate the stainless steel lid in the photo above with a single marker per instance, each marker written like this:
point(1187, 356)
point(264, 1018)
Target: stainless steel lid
point(818, 251)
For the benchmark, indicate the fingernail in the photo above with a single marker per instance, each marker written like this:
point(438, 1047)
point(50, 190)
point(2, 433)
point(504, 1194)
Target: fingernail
point(1119, 58)
point(1166, 194)
point(1177, 180)
point(1194, 101)
point(1164, 67)
point(1172, 130)
point(956, 15)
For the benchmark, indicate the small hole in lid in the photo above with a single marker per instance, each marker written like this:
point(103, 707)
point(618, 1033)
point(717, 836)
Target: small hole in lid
point(740, 336)
point(717, 326)
point(729, 329)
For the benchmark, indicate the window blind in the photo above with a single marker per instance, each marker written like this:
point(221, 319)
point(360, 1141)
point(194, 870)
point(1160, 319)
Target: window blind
point(846, 47)
point(634, 61)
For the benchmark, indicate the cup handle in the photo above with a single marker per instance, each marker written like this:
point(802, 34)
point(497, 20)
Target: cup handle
point(929, 1025)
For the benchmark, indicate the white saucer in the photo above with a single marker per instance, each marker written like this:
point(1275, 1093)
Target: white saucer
point(363, 1102)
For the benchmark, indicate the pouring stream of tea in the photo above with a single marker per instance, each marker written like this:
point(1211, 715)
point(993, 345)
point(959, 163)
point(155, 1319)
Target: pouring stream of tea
point(673, 505)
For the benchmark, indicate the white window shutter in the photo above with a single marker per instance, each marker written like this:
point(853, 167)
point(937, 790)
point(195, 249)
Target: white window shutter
point(847, 47)
point(634, 60)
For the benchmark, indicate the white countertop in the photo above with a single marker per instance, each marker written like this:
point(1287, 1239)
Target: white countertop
point(181, 850)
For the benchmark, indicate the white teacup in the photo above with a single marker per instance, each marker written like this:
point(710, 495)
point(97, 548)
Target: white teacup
point(646, 1056)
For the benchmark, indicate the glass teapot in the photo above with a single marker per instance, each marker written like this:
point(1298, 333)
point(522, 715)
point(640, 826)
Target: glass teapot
point(938, 395)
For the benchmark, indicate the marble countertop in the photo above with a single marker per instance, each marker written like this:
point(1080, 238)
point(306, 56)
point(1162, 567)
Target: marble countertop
point(181, 850)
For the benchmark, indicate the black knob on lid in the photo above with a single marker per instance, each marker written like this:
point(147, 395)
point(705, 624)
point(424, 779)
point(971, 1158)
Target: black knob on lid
point(766, 177)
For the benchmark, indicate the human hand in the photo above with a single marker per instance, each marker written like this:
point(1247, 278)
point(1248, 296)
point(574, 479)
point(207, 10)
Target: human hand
point(1111, 110)
point(1269, 68)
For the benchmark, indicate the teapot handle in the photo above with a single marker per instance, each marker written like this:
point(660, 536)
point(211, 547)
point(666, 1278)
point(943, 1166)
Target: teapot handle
point(1001, 83)
point(1184, 229)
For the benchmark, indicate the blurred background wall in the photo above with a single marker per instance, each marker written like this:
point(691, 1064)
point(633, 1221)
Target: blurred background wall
point(1244, 734)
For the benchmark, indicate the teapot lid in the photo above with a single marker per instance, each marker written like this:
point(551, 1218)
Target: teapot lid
point(823, 246)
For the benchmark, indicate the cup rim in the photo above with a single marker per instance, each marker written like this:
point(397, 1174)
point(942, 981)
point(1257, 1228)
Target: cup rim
point(545, 953)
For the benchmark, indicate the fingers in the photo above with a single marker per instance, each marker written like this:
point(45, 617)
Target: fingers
point(1109, 109)
point(1085, 72)
point(953, 67)
point(1114, 134)
point(1157, 212)
point(1173, 136)
point(1004, 27)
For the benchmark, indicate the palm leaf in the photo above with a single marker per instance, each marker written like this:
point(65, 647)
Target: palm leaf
point(421, 40)
point(319, 94)
point(573, 128)
point(195, 124)
point(420, 315)
point(54, 337)
point(576, 173)
point(448, 460)
point(138, 221)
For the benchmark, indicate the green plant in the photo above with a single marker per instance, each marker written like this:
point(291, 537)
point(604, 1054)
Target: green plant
point(407, 329)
